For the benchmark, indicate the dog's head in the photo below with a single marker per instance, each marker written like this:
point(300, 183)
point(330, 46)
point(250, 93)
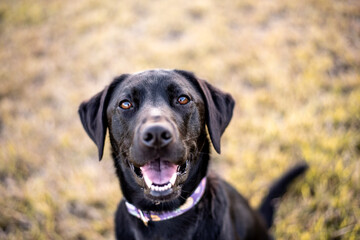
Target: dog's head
point(156, 121)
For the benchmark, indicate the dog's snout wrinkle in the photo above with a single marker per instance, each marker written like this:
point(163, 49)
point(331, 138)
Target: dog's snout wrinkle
point(156, 118)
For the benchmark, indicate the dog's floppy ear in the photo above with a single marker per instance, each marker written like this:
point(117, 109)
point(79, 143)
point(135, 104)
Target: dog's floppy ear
point(93, 118)
point(93, 115)
point(219, 107)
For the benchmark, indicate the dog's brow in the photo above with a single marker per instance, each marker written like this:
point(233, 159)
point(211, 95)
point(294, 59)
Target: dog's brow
point(173, 88)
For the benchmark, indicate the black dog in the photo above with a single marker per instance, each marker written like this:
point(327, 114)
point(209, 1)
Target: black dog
point(160, 147)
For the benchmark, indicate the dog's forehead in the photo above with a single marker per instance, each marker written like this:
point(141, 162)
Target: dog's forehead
point(154, 81)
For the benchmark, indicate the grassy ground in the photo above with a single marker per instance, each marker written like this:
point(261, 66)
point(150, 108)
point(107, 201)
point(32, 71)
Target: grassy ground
point(292, 66)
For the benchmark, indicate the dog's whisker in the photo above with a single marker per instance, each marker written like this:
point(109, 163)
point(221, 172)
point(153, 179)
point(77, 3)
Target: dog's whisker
point(182, 198)
point(192, 138)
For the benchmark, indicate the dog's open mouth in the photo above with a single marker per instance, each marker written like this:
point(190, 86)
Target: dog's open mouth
point(161, 178)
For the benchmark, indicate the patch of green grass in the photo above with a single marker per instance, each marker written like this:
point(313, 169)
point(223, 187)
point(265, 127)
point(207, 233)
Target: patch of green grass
point(293, 68)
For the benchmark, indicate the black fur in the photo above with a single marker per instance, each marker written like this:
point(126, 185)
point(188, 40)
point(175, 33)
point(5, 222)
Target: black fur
point(278, 189)
point(153, 96)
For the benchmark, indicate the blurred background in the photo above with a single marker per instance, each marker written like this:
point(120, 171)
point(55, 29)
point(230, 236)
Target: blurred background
point(292, 66)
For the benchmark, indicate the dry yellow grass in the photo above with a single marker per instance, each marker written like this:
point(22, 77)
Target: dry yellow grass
point(292, 66)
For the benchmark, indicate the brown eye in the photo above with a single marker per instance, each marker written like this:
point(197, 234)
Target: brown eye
point(125, 104)
point(183, 100)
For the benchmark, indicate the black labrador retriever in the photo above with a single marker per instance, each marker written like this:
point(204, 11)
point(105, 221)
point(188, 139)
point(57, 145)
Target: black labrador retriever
point(157, 125)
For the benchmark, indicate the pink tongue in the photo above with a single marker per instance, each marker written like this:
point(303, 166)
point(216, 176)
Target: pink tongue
point(158, 171)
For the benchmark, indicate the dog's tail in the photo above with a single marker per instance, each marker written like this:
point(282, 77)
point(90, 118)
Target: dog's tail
point(277, 190)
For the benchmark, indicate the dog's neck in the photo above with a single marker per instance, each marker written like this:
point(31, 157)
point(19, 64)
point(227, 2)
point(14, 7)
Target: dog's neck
point(190, 202)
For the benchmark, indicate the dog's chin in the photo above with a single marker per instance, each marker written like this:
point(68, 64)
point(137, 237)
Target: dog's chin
point(160, 179)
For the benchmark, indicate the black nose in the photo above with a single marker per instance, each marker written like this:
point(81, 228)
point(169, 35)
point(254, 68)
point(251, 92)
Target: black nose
point(156, 135)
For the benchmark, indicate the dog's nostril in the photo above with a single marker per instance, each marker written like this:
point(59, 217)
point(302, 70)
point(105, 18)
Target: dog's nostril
point(148, 137)
point(166, 135)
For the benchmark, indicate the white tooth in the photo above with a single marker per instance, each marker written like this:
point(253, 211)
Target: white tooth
point(156, 188)
point(152, 187)
point(173, 179)
point(161, 189)
point(147, 181)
